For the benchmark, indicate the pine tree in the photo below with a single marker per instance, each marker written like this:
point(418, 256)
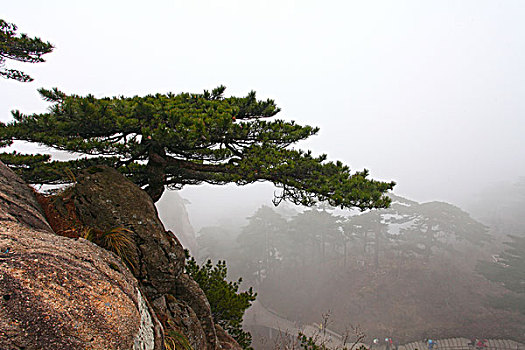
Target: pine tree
point(441, 226)
point(371, 232)
point(312, 231)
point(261, 243)
point(175, 140)
point(19, 48)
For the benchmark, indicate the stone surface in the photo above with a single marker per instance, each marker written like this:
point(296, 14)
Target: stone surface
point(189, 291)
point(60, 293)
point(104, 200)
point(225, 340)
point(145, 337)
point(17, 202)
point(186, 321)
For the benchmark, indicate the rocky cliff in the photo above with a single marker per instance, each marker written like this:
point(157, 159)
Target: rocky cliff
point(70, 293)
point(173, 213)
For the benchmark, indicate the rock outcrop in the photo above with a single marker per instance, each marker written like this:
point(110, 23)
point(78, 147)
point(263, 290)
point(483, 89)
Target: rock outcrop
point(18, 205)
point(101, 201)
point(61, 293)
point(104, 199)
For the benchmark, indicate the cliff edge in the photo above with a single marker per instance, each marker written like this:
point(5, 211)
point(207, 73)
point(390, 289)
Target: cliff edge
point(61, 291)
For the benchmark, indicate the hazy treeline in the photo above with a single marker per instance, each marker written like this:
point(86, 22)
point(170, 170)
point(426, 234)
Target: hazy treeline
point(275, 239)
point(386, 270)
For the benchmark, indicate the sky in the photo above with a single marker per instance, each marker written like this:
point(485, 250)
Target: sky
point(430, 94)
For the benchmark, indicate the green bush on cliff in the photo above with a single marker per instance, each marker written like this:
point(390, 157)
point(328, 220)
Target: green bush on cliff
point(227, 304)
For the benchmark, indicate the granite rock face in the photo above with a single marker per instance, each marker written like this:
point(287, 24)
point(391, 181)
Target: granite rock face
point(226, 340)
point(61, 293)
point(104, 199)
point(18, 204)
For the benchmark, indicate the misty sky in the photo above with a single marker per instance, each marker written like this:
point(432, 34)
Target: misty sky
point(430, 94)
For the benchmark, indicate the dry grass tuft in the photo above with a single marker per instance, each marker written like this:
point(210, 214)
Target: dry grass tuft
point(174, 340)
point(117, 240)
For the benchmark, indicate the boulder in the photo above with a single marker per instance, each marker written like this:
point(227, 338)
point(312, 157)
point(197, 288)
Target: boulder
point(62, 293)
point(226, 340)
point(181, 319)
point(104, 200)
point(17, 202)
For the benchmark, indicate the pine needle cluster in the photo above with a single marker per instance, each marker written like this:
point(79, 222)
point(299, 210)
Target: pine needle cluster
point(20, 48)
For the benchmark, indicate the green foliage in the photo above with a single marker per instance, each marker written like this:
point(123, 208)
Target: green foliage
point(19, 48)
point(227, 304)
point(316, 227)
point(433, 226)
point(259, 242)
point(172, 140)
point(39, 169)
point(308, 343)
point(271, 244)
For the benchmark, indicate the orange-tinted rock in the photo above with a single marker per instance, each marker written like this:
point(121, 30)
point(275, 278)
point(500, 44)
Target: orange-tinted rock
point(61, 293)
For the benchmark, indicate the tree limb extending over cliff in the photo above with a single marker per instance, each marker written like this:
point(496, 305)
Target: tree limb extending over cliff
point(168, 140)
